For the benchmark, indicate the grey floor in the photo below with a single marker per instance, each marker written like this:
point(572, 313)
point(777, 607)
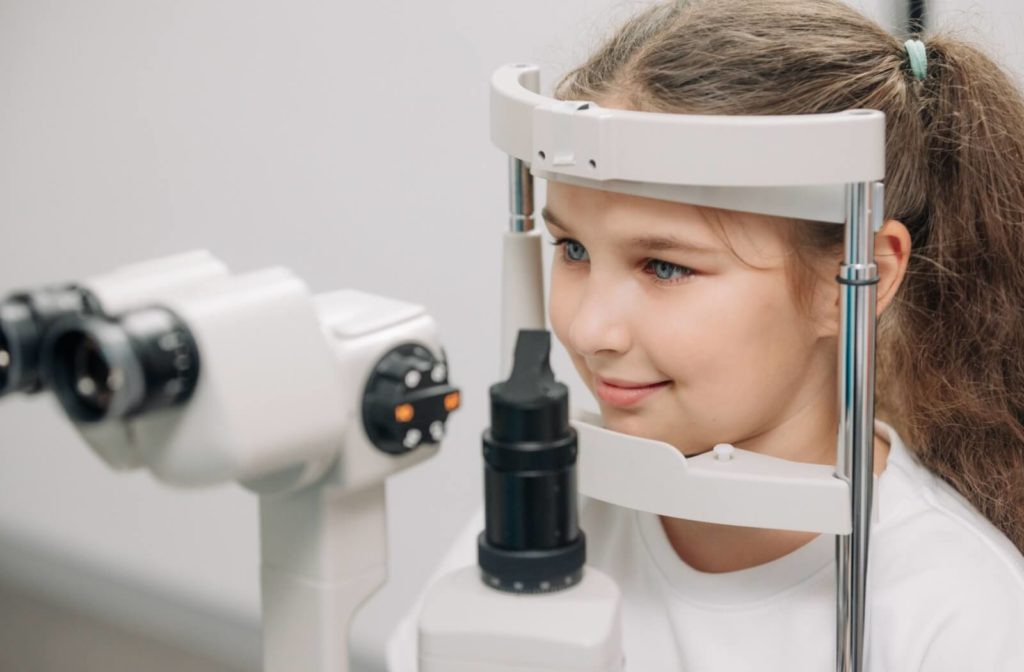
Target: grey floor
point(37, 636)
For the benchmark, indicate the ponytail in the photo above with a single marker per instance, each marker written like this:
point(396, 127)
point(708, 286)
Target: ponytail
point(951, 353)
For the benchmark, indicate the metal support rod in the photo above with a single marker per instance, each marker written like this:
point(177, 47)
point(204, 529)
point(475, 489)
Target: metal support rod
point(520, 196)
point(917, 17)
point(855, 446)
point(522, 268)
point(522, 280)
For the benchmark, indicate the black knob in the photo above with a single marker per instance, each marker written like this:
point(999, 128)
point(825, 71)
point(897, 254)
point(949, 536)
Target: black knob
point(408, 399)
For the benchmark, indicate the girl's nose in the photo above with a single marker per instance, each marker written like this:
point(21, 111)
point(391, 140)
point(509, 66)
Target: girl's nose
point(600, 325)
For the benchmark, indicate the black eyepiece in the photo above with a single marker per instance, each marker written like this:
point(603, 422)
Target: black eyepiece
point(102, 368)
point(25, 319)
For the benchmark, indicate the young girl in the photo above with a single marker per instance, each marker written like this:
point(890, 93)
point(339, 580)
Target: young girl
point(698, 326)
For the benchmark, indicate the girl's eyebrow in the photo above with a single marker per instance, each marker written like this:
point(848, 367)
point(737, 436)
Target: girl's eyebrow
point(551, 220)
point(642, 243)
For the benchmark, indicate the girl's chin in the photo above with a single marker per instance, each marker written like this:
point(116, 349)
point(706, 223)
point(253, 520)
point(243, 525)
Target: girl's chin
point(618, 420)
point(629, 422)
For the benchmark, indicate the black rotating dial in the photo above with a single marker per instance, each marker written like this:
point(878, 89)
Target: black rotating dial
point(408, 399)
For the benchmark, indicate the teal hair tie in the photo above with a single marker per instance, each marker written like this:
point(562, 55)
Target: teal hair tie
point(918, 58)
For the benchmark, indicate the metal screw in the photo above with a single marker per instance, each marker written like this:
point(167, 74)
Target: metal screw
point(413, 378)
point(412, 438)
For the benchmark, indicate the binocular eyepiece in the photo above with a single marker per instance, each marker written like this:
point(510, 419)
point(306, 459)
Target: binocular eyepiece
point(25, 321)
point(102, 368)
point(99, 367)
point(269, 372)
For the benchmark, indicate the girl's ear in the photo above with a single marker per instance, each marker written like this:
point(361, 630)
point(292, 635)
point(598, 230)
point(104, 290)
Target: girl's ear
point(892, 253)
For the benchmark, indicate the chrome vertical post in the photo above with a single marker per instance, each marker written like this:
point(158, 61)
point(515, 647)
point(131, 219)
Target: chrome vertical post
point(520, 181)
point(522, 269)
point(520, 196)
point(858, 278)
point(522, 274)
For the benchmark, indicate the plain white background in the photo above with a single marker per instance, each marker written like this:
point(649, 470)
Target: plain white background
point(346, 140)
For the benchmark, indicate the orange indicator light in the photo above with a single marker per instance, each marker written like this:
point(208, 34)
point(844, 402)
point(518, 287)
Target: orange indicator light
point(452, 401)
point(404, 412)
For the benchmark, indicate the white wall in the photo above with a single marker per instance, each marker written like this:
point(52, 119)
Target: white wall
point(345, 140)
point(993, 25)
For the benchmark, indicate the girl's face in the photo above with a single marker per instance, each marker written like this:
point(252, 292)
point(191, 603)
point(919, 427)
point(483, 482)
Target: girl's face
point(678, 339)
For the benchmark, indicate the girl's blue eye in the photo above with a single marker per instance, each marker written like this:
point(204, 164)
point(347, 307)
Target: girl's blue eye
point(667, 271)
point(574, 251)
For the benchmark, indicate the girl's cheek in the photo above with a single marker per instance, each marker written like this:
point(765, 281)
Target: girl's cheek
point(691, 338)
point(559, 311)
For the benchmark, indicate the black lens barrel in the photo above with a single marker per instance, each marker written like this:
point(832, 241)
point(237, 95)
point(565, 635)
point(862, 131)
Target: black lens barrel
point(532, 541)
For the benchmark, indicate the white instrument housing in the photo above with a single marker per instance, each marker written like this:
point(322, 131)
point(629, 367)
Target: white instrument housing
point(279, 391)
point(466, 626)
point(278, 407)
point(133, 285)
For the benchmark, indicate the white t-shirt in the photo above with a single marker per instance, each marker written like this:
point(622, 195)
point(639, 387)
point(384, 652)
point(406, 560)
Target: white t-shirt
point(945, 590)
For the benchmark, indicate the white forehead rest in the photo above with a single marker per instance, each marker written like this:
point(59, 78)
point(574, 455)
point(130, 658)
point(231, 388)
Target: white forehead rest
point(795, 165)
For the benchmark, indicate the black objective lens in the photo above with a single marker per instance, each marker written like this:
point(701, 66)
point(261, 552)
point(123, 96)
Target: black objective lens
point(532, 541)
point(104, 369)
point(25, 319)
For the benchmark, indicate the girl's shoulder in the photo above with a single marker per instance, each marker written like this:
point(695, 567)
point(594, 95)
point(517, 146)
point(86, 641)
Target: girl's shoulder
point(921, 516)
point(941, 578)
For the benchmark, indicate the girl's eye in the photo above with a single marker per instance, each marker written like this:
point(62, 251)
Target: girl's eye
point(666, 271)
point(572, 250)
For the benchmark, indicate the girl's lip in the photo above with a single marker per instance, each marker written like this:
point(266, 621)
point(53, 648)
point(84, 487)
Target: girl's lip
point(625, 394)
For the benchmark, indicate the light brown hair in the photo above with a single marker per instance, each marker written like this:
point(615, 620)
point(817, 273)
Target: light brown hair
point(951, 345)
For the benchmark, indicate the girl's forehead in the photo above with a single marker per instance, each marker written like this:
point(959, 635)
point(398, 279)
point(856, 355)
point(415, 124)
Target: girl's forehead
point(570, 203)
point(582, 211)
